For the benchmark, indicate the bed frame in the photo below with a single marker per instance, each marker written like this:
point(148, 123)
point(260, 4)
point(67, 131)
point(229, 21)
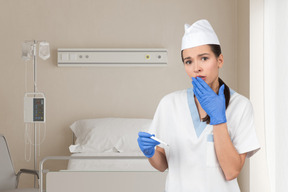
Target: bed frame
point(101, 181)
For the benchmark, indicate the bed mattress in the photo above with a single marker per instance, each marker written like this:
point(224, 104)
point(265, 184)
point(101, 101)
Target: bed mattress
point(112, 164)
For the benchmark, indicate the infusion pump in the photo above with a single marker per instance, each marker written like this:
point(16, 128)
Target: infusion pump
point(34, 108)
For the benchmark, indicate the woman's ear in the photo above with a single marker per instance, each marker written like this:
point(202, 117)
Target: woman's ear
point(220, 60)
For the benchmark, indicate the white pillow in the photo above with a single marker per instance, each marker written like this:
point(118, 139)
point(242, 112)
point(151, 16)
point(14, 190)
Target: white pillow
point(108, 134)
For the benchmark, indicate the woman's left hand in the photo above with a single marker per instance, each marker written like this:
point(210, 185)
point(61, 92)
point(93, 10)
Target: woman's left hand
point(213, 104)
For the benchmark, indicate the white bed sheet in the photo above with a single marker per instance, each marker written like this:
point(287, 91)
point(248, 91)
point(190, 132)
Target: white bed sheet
point(109, 164)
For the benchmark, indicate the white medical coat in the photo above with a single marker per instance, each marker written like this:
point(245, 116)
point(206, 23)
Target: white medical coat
point(191, 157)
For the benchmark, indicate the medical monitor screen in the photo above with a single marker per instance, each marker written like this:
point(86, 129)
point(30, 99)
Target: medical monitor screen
point(38, 109)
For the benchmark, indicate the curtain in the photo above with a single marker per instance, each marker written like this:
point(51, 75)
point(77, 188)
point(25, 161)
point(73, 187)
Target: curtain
point(276, 91)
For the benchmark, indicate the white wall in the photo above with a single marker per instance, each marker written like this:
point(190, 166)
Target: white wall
point(243, 71)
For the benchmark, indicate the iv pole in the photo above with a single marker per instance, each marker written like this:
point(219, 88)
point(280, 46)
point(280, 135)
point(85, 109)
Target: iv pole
point(35, 83)
point(39, 112)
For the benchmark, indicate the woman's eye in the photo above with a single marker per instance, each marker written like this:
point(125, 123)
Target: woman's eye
point(188, 62)
point(204, 58)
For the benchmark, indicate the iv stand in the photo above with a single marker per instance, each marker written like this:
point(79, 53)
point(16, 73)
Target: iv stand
point(35, 83)
point(33, 51)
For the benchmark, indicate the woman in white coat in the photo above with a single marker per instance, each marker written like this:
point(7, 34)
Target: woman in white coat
point(209, 128)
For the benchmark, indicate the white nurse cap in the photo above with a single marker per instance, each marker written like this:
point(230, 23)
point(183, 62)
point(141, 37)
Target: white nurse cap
point(199, 33)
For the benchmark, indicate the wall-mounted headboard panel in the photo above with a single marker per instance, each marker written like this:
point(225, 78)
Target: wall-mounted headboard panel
point(111, 57)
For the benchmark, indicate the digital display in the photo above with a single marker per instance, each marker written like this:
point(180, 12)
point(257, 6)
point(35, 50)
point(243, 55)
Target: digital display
point(38, 109)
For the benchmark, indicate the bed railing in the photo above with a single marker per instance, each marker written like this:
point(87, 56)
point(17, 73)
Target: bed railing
point(41, 170)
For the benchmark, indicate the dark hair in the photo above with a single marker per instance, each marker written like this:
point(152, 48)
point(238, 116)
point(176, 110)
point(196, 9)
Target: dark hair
point(216, 49)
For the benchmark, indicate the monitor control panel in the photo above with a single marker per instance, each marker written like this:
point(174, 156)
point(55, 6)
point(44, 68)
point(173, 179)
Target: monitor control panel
point(34, 108)
point(38, 109)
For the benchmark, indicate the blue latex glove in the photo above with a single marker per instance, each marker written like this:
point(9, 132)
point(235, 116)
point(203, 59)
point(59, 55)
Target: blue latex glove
point(213, 104)
point(146, 144)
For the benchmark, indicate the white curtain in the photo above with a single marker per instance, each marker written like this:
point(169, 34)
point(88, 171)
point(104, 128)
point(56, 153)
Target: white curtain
point(276, 91)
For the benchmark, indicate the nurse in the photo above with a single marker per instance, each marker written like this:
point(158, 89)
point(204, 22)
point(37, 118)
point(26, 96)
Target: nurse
point(209, 127)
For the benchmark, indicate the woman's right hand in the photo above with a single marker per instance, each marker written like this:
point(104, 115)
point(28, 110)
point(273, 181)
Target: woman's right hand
point(146, 144)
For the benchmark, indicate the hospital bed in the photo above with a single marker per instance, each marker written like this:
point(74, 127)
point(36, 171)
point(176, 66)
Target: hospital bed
point(105, 157)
